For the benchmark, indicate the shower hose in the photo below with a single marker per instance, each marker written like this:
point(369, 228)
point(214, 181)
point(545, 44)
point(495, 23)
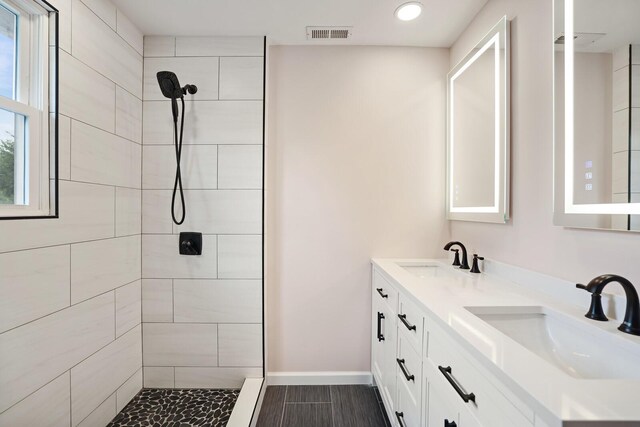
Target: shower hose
point(177, 185)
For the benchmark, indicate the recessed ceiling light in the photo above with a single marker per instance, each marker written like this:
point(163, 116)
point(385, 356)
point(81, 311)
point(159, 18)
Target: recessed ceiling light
point(409, 11)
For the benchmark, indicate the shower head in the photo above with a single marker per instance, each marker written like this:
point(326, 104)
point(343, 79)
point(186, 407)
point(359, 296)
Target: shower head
point(170, 86)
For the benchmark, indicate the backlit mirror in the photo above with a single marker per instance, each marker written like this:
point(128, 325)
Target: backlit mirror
point(478, 131)
point(597, 114)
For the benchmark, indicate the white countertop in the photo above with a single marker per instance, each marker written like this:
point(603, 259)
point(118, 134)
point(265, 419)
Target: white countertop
point(550, 392)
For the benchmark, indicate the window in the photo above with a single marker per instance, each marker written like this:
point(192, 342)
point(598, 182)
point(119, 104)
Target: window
point(28, 117)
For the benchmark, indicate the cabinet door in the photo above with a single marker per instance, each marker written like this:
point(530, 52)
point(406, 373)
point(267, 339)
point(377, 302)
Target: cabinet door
point(442, 408)
point(383, 349)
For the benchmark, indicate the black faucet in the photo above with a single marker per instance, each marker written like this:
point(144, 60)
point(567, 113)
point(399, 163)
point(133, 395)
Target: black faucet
point(631, 323)
point(464, 264)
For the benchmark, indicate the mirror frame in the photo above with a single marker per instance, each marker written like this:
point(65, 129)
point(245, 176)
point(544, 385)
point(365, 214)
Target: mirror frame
point(565, 211)
point(499, 39)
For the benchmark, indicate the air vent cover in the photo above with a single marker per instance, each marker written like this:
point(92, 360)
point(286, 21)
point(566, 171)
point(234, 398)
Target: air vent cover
point(326, 33)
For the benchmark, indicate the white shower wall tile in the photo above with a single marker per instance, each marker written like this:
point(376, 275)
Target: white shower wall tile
point(155, 46)
point(198, 163)
point(128, 390)
point(218, 301)
point(240, 345)
point(128, 211)
point(128, 115)
point(159, 377)
point(34, 283)
point(47, 407)
point(128, 307)
point(160, 258)
point(241, 78)
point(102, 415)
point(156, 211)
point(240, 166)
point(103, 265)
point(129, 32)
point(174, 344)
point(240, 257)
point(99, 376)
point(104, 9)
point(206, 122)
point(222, 212)
point(114, 59)
point(219, 46)
point(203, 72)
point(157, 300)
point(64, 147)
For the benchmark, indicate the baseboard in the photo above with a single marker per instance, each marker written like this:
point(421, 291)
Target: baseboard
point(319, 378)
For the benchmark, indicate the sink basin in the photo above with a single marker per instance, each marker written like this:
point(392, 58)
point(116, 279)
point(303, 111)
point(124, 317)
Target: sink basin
point(578, 349)
point(423, 270)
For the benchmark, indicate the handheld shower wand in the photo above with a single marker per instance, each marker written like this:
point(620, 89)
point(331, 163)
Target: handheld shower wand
point(171, 89)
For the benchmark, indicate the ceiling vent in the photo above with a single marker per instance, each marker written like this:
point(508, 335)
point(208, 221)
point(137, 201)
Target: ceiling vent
point(328, 33)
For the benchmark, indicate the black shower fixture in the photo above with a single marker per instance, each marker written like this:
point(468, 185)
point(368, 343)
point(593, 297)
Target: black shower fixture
point(170, 87)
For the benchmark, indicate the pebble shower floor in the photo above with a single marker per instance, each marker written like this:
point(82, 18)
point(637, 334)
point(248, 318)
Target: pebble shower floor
point(178, 408)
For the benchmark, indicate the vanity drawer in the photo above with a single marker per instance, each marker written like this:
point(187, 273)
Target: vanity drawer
point(408, 410)
point(488, 403)
point(411, 321)
point(384, 291)
point(409, 367)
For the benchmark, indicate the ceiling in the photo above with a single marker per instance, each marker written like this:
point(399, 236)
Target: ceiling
point(285, 21)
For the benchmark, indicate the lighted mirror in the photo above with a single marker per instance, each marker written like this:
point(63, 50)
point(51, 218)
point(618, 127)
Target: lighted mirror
point(597, 114)
point(478, 131)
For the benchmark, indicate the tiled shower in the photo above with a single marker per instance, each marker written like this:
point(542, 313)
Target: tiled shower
point(98, 303)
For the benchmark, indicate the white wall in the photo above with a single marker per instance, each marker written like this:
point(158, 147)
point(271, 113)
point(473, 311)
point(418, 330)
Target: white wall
point(356, 170)
point(530, 239)
point(70, 334)
point(203, 314)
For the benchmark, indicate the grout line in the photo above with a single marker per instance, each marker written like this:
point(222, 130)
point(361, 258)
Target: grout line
point(100, 184)
point(284, 401)
point(115, 134)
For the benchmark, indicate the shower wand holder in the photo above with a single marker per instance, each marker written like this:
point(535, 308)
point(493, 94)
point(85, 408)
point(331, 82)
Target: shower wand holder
point(190, 243)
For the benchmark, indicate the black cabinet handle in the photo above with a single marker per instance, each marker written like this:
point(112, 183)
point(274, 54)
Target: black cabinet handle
point(447, 374)
point(400, 417)
point(409, 326)
point(408, 376)
point(448, 423)
point(381, 294)
point(380, 317)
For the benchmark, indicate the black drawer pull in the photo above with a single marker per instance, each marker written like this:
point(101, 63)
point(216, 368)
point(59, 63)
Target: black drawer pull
point(404, 370)
point(447, 374)
point(381, 294)
point(448, 423)
point(400, 417)
point(380, 317)
point(409, 326)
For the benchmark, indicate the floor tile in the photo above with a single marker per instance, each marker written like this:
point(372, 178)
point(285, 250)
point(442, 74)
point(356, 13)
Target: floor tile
point(307, 415)
point(272, 407)
point(308, 394)
point(355, 406)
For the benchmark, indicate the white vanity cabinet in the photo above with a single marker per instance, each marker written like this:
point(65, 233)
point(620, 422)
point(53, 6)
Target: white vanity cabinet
point(425, 377)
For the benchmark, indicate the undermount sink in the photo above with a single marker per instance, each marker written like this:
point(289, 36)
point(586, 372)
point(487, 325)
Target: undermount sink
point(579, 350)
point(423, 270)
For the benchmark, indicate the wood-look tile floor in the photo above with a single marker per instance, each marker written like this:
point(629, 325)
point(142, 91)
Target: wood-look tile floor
point(322, 406)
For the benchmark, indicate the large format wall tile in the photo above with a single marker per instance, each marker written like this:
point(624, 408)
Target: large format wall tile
point(157, 300)
point(40, 351)
point(156, 211)
point(240, 345)
point(102, 415)
point(240, 167)
point(47, 407)
point(128, 211)
point(218, 301)
point(34, 283)
point(159, 46)
point(159, 377)
point(129, 32)
point(64, 147)
point(104, 9)
point(241, 78)
point(202, 72)
point(85, 95)
point(222, 212)
point(240, 257)
point(86, 213)
point(114, 58)
point(206, 122)
point(129, 389)
point(219, 46)
point(173, 344)
point(191, 377)
point(128, 307)
point(128, 115)
point(161, 259)
point(99, 376)
point(103, 265)
point(198, 163)
point(104, 158)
